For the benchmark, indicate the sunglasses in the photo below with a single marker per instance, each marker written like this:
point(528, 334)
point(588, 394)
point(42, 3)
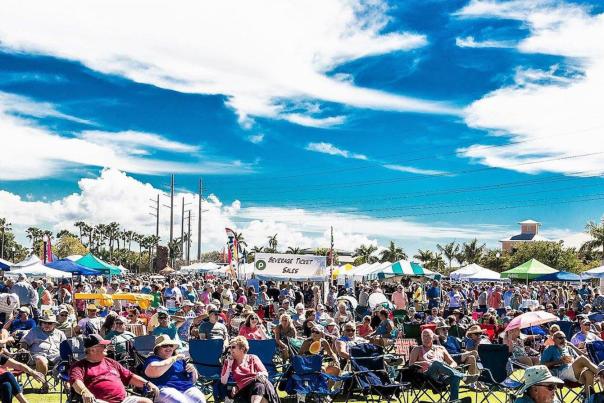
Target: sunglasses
point(63, 314)
point(316, 332)
point(168, 346)
point(350, 330)
point(550, 387)
point(560, 337)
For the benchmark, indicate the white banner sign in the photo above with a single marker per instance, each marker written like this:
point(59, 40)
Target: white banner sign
point(300, 266)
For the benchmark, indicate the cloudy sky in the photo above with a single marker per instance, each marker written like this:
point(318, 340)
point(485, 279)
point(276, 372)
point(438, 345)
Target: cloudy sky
point(420, 121)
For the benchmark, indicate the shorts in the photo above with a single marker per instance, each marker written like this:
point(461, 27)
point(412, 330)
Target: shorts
point(567, 374)
point(52, 360)
point(254, 388)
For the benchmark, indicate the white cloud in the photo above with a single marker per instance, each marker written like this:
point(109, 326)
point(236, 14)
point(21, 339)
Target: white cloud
point(256, 138)
point(547, 114)
point(261, 55)
point(114, 196)
point(31, 151)
point(470, 42)
point(309, 121)
point(413, 170)
point(327, 148)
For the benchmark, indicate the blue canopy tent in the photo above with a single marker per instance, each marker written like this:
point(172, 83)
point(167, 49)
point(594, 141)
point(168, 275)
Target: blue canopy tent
point(562, 276)
point(5, 265)
point(72, 267)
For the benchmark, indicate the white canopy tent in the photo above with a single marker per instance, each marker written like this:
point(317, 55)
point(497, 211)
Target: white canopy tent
point(597, 272)
point(475, 272)
point(359, 275)
point(33, 259)
point(38, 270)
point(206, 267)
point(73, 258)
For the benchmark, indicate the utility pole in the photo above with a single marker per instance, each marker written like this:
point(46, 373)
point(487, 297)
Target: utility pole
point(189, 238)
point(171, 208)
point(155, 214)
point(182, 229)
point(199, 219)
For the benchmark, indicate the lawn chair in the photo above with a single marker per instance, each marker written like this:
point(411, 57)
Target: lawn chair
point(205, 355)
point(142, 347)
point(399, 317)
point(306, 378)
point(412, 331)
point(457, 331)
point(370, 374)
point(70, 350)
point(422, 387)
point(494, 375)
point(267, 351)
point(595, 351)
point(567, 327)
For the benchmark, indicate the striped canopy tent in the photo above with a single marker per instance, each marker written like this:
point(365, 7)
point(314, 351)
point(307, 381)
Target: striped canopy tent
point(529, 270)
point(342, 270)
point(93, 262)
point(401, 268)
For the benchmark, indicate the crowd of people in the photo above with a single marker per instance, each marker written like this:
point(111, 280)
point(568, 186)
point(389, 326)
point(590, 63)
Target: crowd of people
point(302, 318)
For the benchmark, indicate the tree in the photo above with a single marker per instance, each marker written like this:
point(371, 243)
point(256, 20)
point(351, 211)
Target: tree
point(272, 243)
point(424, 256)
point(68, 245)
point(240, 239)
point(436, 263)
point(364, 254)
point(596, 231)
point(392, 254)
point(33, 234)
point(5, 227)
point(112, 232)
point(472, 252)
point(449, 251)
point(495, 259)
point(80, 225)
point(552, 254)
point(64, 232)
point(293, 250)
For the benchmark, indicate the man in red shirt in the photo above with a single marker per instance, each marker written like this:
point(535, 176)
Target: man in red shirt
point(98, 378)
point(495, 298)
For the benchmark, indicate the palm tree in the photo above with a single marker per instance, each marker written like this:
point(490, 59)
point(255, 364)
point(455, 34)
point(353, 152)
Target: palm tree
point(87, 231)
point(392, 253)
point(99, 235)
point(424, 256)
point(80, 225)
point(596, 231)
point(240, 239)
point(472, 251)
point(365, 253)
point(113, 234)
point(293, 250)
point(450, 251)
point(461, 259)
point(272, 242)
point(34, 234)
point(4, 227)
point(437, 263)
point(65, 232)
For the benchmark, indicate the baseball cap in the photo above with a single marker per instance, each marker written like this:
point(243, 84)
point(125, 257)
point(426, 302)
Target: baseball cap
point(95, 339)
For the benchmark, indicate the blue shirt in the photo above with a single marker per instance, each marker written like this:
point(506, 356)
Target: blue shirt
point(170, 330)
point(175, 377)
point(452, 345)
point(19, 324)
point(553, 353)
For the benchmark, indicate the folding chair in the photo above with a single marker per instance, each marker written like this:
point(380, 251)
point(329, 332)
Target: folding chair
point(306, 378)
point(206, 355)
point(494, 375)
point(399, 316)
point(267, 351)
point(370, 374)
point(71, 350)
point(567, 327)
point(412, 331)
point(421, 386)
point(595, 351)
point(596, 317)
point(457, 331)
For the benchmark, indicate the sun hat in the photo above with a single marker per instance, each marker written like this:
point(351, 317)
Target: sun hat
point(91, 307)
point(24, 309)
point(120, 318)
point(538, 374)
point(48, 319)
point(188, 303)
point(441, 324)
point(164, 340)
point(475, 329)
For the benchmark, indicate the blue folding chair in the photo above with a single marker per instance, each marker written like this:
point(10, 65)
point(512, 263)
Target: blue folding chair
point(205, 355)
point(595, 350)
point(370, 375)
point(494, 374)
point(266, 350)
point(306, 378)
point(567, 327)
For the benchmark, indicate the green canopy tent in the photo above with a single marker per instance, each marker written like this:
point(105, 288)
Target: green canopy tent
point(93, 262)
point(528, 271)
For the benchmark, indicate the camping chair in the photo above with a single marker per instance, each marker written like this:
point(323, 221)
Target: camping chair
point(267, 351)
point(71, 350)
point(399, 317)
point(24, 357)
point(205, 355)
point(412, 331)
point(596, 317)
point(422, 387)
point(370, 373)
point(494, 375)
point(595, 351)
point(306, 378)
point(567, 327)
point(142, 347)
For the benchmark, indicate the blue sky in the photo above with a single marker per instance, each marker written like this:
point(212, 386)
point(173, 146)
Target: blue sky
point(416, 121)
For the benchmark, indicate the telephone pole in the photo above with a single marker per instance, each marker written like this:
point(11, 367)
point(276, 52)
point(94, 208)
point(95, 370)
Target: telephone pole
point(171, 208)
point(199, 219)
point(189, 238)
point(155, 214)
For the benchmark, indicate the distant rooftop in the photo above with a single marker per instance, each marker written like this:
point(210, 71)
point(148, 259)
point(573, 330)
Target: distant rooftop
point(529, 222)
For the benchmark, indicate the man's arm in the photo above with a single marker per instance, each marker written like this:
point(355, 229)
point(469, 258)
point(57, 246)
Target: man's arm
point(140, 382)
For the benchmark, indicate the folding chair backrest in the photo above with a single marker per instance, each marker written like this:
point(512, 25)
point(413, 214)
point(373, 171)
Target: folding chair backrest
point(307, 364)
point(595, 350)
point(457, 331)
point(501, 312)
point(367, 355)
point(567, 327)
point(265, 350)
point(76, 348)
point(596, 317)
point(494, 357)
point(65, 350)
point(205, 355)
point(400, 315)
point(143, 345)
point(411, 331)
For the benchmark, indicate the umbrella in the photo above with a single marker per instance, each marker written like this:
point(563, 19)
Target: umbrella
point(72, 267)
point(529, 319)
point(377, 298)
point(352, 300)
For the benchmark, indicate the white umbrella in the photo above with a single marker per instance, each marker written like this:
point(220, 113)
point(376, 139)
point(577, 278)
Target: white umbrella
point(377, 298)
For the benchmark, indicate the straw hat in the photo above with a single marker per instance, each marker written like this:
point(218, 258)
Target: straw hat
point(48, 318)
point(538, 374)
point(164, 340)
point(91, 307)
point(441, 324)
point(475, 329)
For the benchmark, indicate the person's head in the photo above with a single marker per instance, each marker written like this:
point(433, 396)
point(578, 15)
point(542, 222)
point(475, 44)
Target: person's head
point(238, 346)
point(330, 326)
point(427, 337)
point(252, 320)
point(164, 347)
point(383, 313)
point(474, 332)
point(317, 332)
point(342, 308)
point(63, 315)
point(600, 373)
point(553, 329)
point(434, 311)
point(559, 338)
point(349, 330)
point(48, 323)
point(399, 288)
point(286, 321)
point(94, 346)
point(539, 384)
point(163, 318)
point(213, 315)
point(366, 320)
point(320, 308)
point(92, 310)
point(119, 324)
point(300, 309)
point(585, 325)
point(24, 313)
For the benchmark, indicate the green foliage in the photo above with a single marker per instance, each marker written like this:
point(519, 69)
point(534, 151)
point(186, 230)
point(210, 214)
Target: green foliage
point(68, 245)
point(553, 254)
point(392, 254)
point(490, 260)
point(364, 254)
